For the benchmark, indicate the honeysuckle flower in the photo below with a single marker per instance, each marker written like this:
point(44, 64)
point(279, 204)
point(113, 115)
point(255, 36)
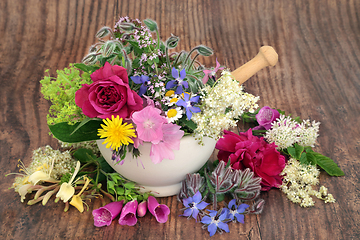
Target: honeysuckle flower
point(76, 200)
point(149, 124)
point(42, 175)
point(104, 215)
point(211, 73)
point(188, 104)
point(144, 81)
point(193, 205)
point(216, 222)
point(170, 142)
point(236, 211)
point(23, 190)
point(66, 189)
point(159, 211)
point(178, 82)
point(128, 214)
point(142, 209)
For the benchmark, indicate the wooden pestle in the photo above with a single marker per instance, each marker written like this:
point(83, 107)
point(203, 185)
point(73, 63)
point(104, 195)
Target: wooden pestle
point(267, 56)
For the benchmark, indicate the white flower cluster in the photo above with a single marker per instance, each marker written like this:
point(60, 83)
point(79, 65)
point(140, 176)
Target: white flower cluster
point(285, 131)
point(298, 183)
point(222, 103)
point(42, 160)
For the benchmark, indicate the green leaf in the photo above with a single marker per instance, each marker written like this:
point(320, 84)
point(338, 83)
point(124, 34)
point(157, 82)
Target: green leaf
point(295, 151)
point(85, 68)
point(311, 159)
point(303, 158)
point(120, 190)
point(84, 155)
point(87, 132)
point(328, 165)
point(129, 185)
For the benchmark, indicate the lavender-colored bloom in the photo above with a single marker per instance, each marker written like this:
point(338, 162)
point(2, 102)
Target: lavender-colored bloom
point(104, 215)
point(144, 81)
point(236, 211)
point(193, 205)
point(160, 211)
point(178, 82)
point(188, 104)
point(216, 222)
point(265, 117)
point(128, 214)
point(142, 209)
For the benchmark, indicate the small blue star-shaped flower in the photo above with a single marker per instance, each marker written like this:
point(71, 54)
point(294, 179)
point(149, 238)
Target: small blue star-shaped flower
point(216, 222)
point(235, 211)
point(193, 205)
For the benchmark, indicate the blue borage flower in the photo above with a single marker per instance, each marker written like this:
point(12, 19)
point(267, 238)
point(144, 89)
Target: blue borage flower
point(193, 205)
point(216, 222)
point(235, 211)
point(144, 81)
point(179, 82)
point(188, 103)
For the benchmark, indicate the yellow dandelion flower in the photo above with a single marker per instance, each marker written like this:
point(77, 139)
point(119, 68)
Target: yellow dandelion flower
point(116, 132)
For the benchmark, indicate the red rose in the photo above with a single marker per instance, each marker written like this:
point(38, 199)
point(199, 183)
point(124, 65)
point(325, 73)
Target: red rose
point(109, 94)
point(248, 151)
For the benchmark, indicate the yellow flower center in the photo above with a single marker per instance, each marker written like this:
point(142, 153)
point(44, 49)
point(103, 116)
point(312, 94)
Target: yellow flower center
point(174, 100)
point(171, 113)
point(169, 93)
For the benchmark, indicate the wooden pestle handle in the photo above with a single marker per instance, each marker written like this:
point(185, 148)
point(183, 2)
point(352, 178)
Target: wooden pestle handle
point(267, 56)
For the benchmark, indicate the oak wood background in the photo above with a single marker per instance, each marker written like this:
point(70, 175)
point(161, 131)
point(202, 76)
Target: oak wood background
point(317, 77)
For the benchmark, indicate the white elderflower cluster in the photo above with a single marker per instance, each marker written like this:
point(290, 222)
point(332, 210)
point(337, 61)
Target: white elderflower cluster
point(285, 132)
point(41, 161)
point(222, 103)
point(299, 181)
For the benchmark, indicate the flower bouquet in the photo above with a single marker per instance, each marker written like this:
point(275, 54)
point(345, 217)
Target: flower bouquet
point(136, 119)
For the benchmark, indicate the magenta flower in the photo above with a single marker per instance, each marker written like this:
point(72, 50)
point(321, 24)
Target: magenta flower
point(142, 209)
point(104, 215)
point(265, 117)
point(109, 94)
point(149, 124)
point(211, 73)
point(128, 214)
point(248, 151)
point(171, 141)
point(160, 211)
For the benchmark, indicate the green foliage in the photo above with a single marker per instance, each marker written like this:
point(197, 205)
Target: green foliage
point(66, 133)
point(61, 92)
point(307, 156)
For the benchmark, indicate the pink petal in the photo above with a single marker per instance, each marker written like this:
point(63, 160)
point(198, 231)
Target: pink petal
point(159, 211)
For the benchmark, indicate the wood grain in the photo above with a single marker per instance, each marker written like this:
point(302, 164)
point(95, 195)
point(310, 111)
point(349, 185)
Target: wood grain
point(317, 77)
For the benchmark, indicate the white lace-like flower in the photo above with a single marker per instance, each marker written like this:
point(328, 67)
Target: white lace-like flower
point(222, 103)
point(285, 132)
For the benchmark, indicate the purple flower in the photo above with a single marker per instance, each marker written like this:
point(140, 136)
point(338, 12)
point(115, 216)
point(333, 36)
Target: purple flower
point(236, 211)
point(216, 222)
point(143, 80)
point(265, 117)
point(160, 211)
point(193, 205)
point(128, 214)
point(188, 104)
point(178, 82)
point(211, 73)
point(142, 209)
point(104, 215)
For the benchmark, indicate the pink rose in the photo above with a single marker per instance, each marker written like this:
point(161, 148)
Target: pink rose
point(109, 94)
point(248, 151)
point(265, 117)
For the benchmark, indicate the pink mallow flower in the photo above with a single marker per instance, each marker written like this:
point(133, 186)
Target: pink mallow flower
point(171, 141)
point(149, 124)
point(104, 215)
point(160, 211)
point(128, 214)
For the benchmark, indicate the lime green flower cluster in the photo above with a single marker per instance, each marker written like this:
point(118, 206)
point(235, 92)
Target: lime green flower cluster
point(61, 92)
